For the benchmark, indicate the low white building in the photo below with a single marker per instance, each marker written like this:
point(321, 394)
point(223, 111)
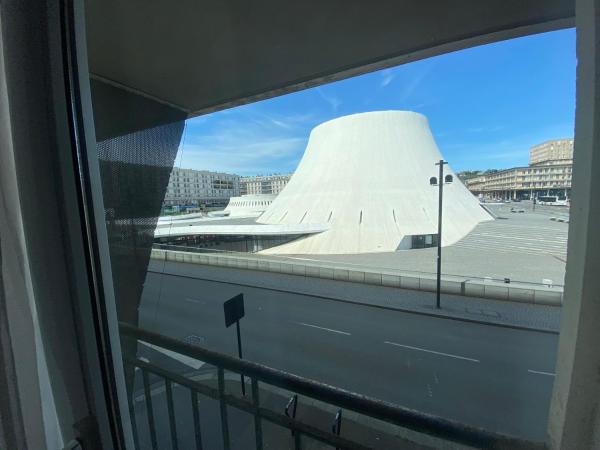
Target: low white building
point(367, 176)
point(249, 205)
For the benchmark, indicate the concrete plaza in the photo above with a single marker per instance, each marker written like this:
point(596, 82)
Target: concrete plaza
point(527, 247)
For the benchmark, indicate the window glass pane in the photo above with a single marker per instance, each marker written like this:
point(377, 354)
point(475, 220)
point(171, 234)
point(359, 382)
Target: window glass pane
point(436, 286)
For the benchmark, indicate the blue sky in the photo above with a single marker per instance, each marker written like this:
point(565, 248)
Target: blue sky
point(486, 106)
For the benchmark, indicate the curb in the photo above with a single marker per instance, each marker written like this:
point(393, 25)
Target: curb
point(441, 315)
point(549, 296)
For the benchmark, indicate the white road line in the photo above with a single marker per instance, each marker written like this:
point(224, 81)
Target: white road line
point(513, 229)
point(191, 362)
point(503, 237)
point(539, 372)
point(552, 240)
point(526, 240)
point(193, 300)
point(323, 328)
point(540, 234)
point(432, 351)
point(524, 244)
point(512, 244)
point(512, 249)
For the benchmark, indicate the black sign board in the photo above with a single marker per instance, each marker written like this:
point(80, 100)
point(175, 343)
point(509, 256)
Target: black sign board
point(233, 309)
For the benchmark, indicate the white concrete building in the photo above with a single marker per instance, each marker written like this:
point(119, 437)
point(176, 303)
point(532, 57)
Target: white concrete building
point(249, 205)
point(388, 157)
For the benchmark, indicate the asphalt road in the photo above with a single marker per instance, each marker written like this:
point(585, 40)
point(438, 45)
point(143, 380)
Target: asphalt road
point(493, 377)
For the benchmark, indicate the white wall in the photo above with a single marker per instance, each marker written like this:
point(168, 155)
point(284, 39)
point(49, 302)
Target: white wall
point(249, 205)
point(377, 164)
point(574, 419)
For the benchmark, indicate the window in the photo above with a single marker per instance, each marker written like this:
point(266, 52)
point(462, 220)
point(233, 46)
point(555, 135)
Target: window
point(199, 258)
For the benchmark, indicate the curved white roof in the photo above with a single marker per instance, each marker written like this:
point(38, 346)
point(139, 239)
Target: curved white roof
point(252, 205)
point(240, 230)
point(367, 175)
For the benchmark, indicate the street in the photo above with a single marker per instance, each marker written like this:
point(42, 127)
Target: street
point(493, 377)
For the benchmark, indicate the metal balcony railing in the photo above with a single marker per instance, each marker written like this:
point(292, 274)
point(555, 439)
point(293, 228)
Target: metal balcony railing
point(430, 425)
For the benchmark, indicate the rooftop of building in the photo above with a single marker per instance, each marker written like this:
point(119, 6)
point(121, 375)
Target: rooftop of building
point(550, 141)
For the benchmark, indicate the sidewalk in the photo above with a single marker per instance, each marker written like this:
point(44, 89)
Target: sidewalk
point(473, 309)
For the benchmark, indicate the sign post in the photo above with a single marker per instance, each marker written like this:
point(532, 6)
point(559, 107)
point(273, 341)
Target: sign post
point(234, 311)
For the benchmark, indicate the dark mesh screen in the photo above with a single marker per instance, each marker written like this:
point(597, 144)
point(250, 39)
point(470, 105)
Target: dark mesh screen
point(135, 171)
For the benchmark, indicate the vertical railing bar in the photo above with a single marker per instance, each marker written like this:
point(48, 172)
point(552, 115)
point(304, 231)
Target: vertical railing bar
point(171, 410)
point(297, 442)
point(132, 415)
point(336, 428)
point(224, 421)
point(257, 419)
point(149, 409)
point(196, 415)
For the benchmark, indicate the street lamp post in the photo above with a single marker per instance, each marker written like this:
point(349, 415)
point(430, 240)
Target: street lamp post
point(440, 183)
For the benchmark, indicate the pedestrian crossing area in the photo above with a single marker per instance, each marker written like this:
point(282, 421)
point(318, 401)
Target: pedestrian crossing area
point(532, 239)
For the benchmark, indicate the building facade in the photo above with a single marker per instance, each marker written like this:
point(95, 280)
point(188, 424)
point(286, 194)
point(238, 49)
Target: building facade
point(555, 151)
point(264, 184)
point(549, 173)
point(201, 187)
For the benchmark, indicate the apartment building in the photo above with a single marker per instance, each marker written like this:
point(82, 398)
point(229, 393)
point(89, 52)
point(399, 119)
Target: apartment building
point(555, 151)
point(197, 187)
point(549, 173)
point(264, 184)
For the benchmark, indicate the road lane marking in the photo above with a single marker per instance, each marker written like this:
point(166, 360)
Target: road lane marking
point(503, 241)
point(539, 372)
point(503, 249)
point(449, 355)
point(323, 328)
point(191, 362)
point(520, 237)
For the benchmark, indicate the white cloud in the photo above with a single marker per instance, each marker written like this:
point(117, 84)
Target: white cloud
point(331, 100)
point(248, 142)
point(243, 157)
point(415, 81)
point(387, 76)
point(485, 129)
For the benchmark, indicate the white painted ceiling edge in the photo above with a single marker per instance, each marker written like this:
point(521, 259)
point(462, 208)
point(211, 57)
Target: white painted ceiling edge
point(367, 175)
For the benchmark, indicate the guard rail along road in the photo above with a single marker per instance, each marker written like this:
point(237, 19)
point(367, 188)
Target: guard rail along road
point(451, 284)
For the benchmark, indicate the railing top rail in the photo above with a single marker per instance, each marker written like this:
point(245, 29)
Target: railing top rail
point(389, 412)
